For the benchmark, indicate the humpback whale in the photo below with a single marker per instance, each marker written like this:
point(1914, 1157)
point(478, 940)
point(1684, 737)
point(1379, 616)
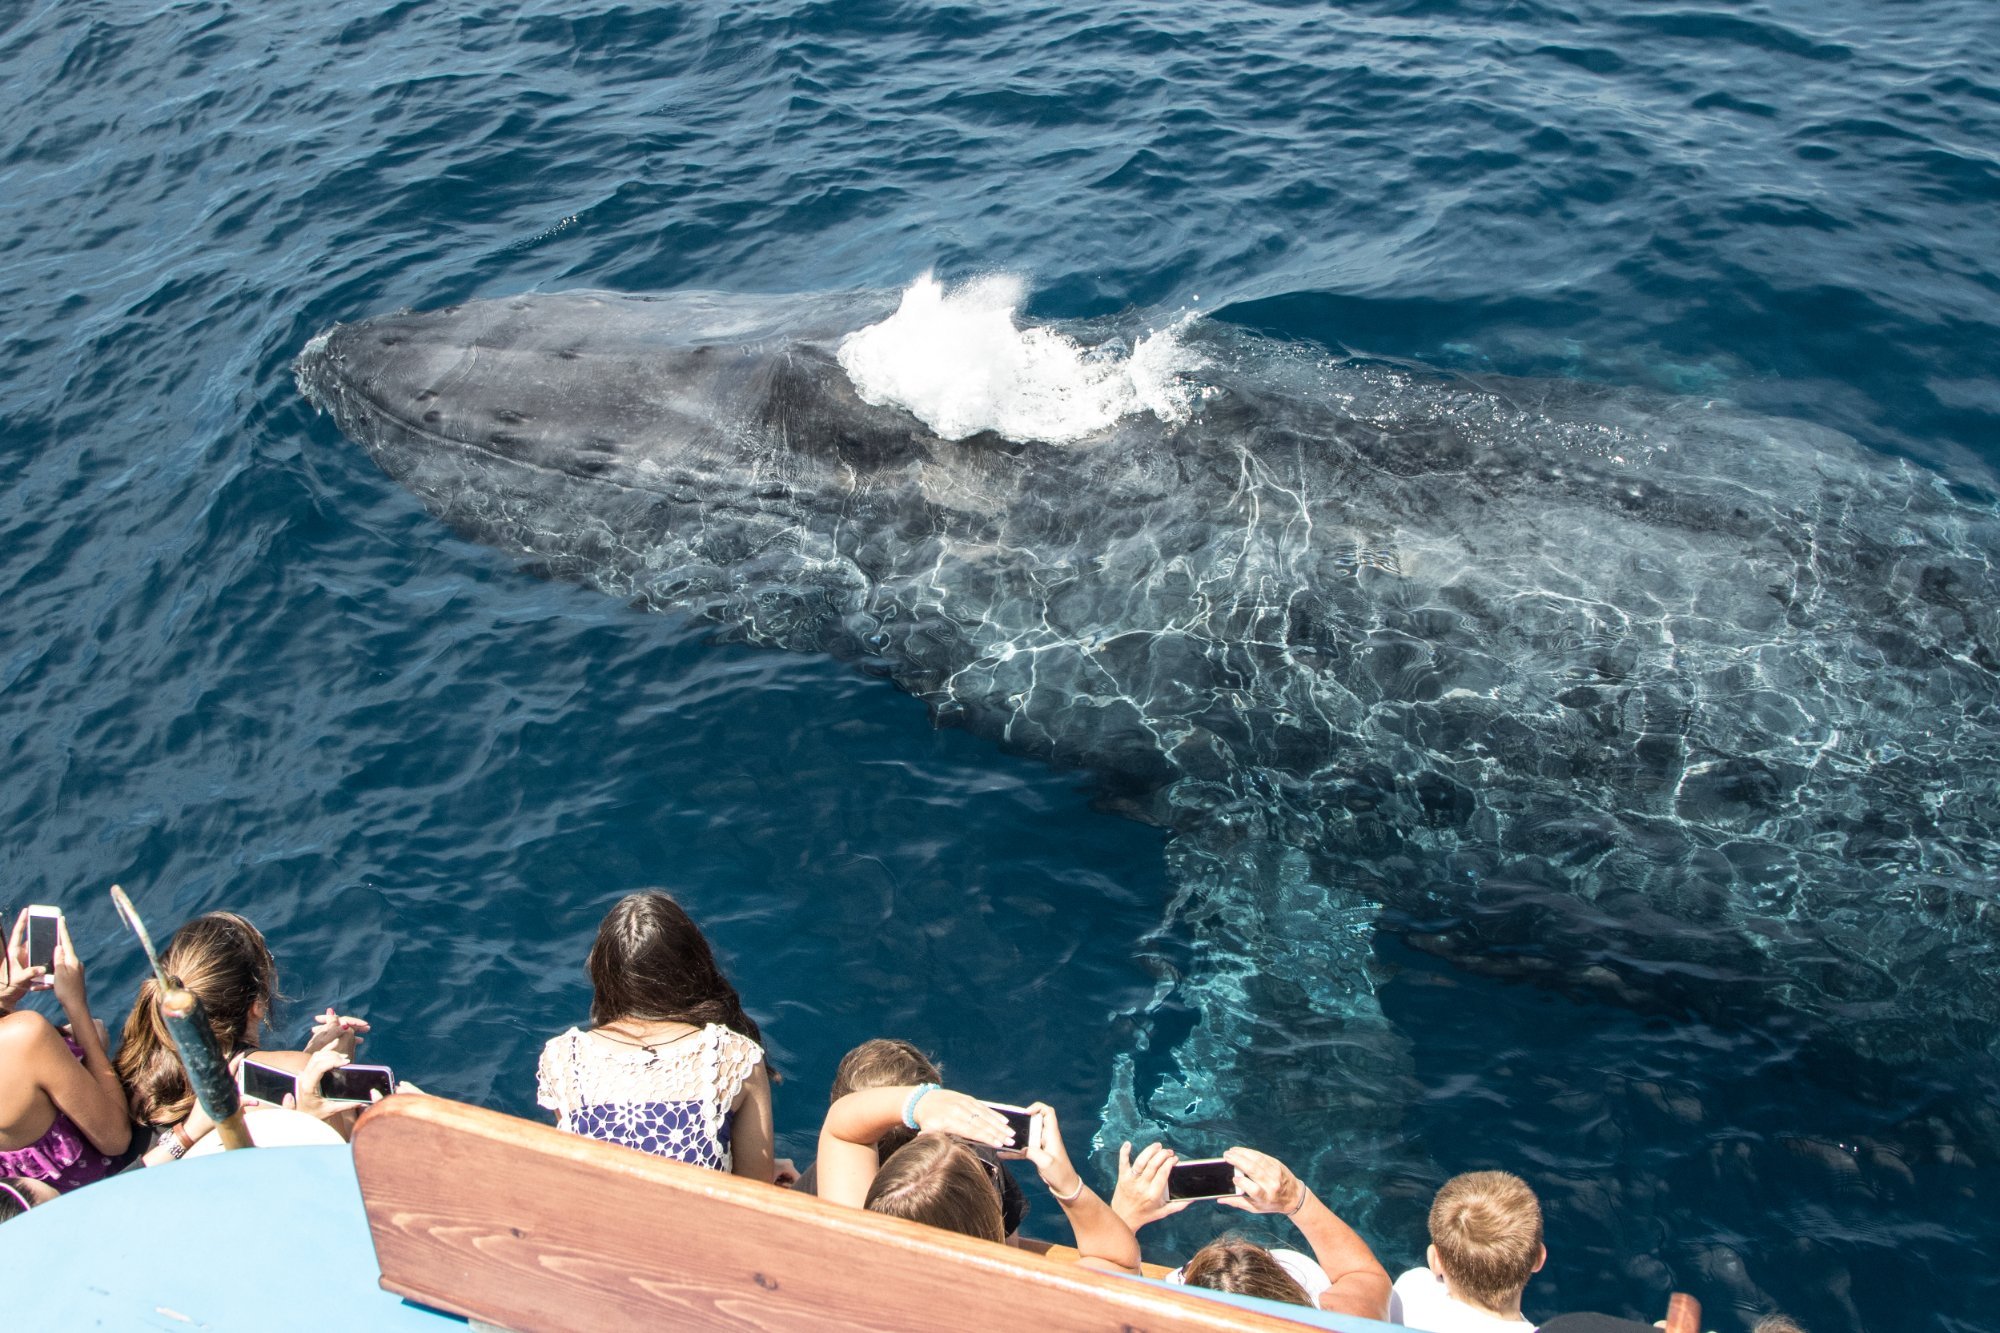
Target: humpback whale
point(1648, 698)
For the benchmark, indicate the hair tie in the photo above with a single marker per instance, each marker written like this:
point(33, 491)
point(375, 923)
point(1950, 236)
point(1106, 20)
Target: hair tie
point(1072, 1196)
point(917, 1094)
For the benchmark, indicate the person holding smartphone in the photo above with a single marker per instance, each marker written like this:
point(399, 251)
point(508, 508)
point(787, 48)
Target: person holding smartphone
point(1346, 1277)
point(224, 961)
point(891, 1061)
point(62, 1110)
point(939, 1180)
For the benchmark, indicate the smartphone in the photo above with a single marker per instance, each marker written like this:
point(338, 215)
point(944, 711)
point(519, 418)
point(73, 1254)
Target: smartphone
point(265, 1084)
point(354, 1083)
point(1026, 1127)
point(44, 929)
point(1209, 1178)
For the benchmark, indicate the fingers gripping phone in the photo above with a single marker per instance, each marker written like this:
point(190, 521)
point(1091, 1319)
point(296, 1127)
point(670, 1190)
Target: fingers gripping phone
point(348, 1083)
point(44, 929)
point(356, 1083)
point(1026, 1127)
point(1208, 1178)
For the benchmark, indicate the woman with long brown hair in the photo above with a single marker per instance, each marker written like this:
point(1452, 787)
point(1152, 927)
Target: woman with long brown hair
point(671, 1065)
point(223, 960)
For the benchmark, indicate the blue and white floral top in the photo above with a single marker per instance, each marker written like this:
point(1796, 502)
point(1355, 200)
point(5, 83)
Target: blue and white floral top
point(671, 1099)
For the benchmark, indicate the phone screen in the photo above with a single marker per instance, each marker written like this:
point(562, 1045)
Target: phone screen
point(41, 940)
point(266, 1084)
point(1210, 1179)
point(354, 1083)
point(1021, 1121)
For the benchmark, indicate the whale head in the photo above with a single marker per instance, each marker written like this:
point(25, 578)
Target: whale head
point(695, 396)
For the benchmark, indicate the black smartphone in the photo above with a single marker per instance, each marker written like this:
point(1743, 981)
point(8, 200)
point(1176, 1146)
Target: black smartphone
point(1025, 1124)
point(1210, 1178)
point(266, 1084)
point(44, 928)
point(355, 1083)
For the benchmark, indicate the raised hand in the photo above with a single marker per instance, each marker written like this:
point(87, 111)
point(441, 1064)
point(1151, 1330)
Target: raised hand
point(1264, 1184)
point(67, 981)
point(308, 1098)
point(944, 1111)
point(16, 977)
point(1051, 1157)
point(335, 1030)
point(1141, 1196)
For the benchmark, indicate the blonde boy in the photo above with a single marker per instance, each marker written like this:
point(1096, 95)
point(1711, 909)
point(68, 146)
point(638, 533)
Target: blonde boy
point(1486, 1242)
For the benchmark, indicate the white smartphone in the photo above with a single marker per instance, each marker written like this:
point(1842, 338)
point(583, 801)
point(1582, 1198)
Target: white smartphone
point(356, 1083)
point(44, 930)
point(1027, 1127)
point(262, 1083)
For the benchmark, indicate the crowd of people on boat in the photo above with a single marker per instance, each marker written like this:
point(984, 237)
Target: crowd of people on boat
point(671, 1064)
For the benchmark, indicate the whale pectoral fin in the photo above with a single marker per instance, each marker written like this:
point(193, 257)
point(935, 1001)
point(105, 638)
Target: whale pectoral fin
point(1288, 1035)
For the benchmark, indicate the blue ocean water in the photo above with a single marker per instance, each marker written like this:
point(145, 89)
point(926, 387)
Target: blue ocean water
point(241, 668)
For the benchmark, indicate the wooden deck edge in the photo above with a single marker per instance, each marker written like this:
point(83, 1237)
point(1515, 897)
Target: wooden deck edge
point(526, 1227)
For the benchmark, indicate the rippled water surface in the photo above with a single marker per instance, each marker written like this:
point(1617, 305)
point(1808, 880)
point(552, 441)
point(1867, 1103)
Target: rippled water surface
point(241, 668)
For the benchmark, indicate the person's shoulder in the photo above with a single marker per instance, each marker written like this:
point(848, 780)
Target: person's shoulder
point(729, 1037)
point(1305, 1271)
point(563, 1043)
point(25, 1029)
point(1418, 1299)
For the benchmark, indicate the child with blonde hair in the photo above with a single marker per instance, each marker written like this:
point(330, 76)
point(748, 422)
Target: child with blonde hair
point(1486, 1242)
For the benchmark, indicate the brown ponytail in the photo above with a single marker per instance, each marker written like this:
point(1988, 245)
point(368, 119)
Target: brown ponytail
point(224, 961)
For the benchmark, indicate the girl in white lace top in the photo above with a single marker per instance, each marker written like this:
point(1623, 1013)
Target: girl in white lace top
point(671, 1065)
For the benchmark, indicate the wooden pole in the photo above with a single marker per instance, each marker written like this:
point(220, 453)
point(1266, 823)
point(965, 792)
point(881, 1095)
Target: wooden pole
point(208, 1074)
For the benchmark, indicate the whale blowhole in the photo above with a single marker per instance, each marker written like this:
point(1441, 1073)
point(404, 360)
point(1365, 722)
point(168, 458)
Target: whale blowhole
point(959, 361)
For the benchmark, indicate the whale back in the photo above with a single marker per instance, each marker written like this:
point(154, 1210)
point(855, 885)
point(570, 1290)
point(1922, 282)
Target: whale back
point(1656, 677)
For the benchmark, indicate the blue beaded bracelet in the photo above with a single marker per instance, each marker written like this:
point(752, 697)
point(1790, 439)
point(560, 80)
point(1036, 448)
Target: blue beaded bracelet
point(917, 1094)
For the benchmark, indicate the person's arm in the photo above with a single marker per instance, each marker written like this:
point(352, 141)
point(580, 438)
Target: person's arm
point(97, 1105)
point(1360, 1284)
point(196, 1127)
point(1141, 1195)
point(31, 1045)
point(857, 1122)
point(1102, 1237)
point(751, 1142)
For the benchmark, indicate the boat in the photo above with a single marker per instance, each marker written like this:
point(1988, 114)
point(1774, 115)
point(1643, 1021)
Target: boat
point(441, 1213)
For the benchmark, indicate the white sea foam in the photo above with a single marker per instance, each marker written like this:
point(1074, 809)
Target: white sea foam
point(959, 362)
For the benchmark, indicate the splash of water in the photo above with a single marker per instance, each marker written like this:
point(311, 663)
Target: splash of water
point(960, 363)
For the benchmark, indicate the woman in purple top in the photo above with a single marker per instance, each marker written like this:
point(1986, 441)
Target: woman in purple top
point(63, 1118)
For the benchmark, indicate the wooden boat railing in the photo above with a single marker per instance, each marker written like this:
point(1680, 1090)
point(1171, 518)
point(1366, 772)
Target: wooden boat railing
point(519, 1225)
